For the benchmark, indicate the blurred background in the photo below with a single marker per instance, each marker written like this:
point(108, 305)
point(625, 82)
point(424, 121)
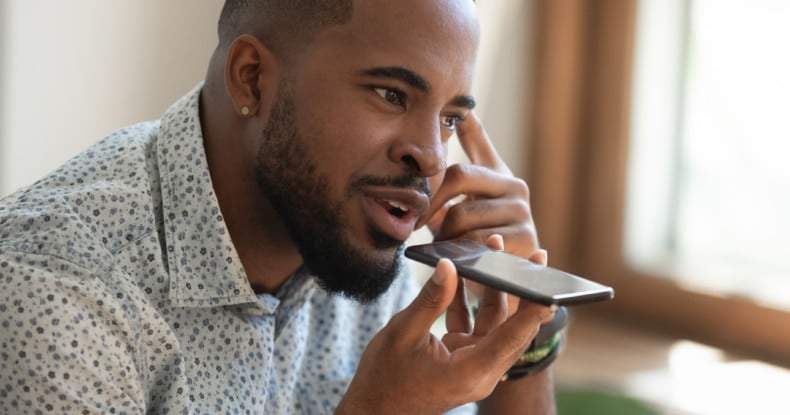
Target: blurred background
point(654, 136)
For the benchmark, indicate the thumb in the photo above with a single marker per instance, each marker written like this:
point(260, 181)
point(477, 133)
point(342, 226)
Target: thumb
point(434, 298)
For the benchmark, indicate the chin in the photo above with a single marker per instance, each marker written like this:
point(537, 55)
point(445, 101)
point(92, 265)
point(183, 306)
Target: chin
point(360, 274)
point(383, 242)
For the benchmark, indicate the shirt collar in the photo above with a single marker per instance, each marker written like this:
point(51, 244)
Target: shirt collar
point(205, 268)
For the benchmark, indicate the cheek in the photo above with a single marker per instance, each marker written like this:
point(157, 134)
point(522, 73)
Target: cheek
point(340, 150)
point(343, 138)
point(348, 136)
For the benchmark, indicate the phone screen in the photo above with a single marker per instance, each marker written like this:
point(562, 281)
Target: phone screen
point(511, 273)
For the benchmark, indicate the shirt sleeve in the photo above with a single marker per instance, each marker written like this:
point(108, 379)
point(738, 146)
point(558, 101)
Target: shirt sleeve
point(68, 344)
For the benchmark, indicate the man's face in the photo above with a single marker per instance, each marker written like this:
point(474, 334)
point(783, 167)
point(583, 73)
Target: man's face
point(358, 135)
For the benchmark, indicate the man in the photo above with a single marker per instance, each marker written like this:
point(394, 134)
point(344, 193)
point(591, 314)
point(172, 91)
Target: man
point(240, 254)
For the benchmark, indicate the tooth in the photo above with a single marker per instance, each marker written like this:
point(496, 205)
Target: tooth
point(398, 205)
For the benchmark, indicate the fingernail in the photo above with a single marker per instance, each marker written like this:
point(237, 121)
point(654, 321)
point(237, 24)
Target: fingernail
point(548, 315)
point(439, 275)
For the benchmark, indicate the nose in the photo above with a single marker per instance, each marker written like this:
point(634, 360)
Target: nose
point(420, 149)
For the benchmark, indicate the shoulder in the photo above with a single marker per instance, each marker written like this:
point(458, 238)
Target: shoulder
point(89, 206)
point(62, 235)
point(65, 326)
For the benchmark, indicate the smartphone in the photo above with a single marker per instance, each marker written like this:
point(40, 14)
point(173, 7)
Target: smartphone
point(511, 273)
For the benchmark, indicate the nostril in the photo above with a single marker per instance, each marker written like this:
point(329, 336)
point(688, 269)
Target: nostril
point(411, 162)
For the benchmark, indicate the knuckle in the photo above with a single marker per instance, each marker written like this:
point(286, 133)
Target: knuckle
point(454, 173)
point(523, 187)
point(522, 209)
point(467, 170)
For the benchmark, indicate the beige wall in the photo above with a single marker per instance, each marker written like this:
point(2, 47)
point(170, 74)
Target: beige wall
point(503, 76)
point(72, 71)
point(75, 70)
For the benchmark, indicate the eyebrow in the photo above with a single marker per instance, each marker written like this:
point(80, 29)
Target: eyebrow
point(416, 81)
point(464, 101)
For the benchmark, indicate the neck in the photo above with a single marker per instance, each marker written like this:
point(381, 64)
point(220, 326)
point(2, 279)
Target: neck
point(267, 251)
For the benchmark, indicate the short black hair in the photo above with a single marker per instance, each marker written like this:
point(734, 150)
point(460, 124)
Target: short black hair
point(280, 24)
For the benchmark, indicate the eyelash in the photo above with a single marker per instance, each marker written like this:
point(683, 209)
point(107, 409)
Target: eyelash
point(396, 94)
point(397, 97)
point(450, 122)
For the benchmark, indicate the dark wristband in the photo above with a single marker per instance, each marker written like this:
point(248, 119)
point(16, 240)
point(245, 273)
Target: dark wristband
point(543, 350)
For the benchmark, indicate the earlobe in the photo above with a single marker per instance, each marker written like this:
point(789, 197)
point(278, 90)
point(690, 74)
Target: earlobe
point(250, 75)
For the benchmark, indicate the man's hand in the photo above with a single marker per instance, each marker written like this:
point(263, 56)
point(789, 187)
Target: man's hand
point(493, 200)
point(407, 370)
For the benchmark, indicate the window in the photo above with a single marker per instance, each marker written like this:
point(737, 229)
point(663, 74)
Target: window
point(657, 155)
point(709, 177)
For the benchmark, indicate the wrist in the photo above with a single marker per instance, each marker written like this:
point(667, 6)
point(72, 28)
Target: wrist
point(543, 350)
point(532, 394)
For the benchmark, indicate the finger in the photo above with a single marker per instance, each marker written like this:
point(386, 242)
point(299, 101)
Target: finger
point(416, 320)
point(541, 256)
point(547, 318)
point(457, 319)
point(435, 220)
point(497, 351)
point(478, 146)
point(520, 243)
point(473, 289)
point(484, 213)
point(496, 241)
point(493, 311)
point(454, 340)
point(494, 304)
point(475, 182)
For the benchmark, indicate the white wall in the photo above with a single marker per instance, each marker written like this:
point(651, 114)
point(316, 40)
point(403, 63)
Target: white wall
point(503, 76)
point(72, 71)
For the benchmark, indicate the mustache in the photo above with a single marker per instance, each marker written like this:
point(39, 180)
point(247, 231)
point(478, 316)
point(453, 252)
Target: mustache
point(407, 181)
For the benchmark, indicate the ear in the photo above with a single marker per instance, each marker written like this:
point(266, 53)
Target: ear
point(251, 76)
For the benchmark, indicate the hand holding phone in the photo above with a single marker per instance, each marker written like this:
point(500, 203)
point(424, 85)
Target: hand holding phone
point(511, 273)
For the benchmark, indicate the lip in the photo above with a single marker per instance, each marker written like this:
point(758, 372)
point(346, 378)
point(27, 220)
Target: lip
point(377, 209)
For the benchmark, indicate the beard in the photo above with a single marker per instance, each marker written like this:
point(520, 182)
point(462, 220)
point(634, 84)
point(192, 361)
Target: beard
point(299, 193)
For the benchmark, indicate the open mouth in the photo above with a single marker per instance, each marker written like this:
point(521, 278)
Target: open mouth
point(396, 209)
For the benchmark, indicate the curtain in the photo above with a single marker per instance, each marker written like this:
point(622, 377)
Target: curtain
point(578, 134)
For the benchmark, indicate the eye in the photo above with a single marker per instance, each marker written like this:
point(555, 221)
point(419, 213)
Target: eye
point(392, 96)
point(450, 122)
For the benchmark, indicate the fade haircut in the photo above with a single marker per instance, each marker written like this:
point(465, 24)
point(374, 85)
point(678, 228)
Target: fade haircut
point(284, 26)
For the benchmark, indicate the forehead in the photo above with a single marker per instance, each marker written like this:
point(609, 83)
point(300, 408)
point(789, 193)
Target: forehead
point(418, 17)
point(435, 38)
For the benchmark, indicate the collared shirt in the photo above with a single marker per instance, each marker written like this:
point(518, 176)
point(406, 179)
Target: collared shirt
point(121, 292)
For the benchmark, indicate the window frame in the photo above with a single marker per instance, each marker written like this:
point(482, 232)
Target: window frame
point(577, 170)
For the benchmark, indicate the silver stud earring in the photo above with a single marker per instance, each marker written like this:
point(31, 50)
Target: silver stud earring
point(245, 111)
